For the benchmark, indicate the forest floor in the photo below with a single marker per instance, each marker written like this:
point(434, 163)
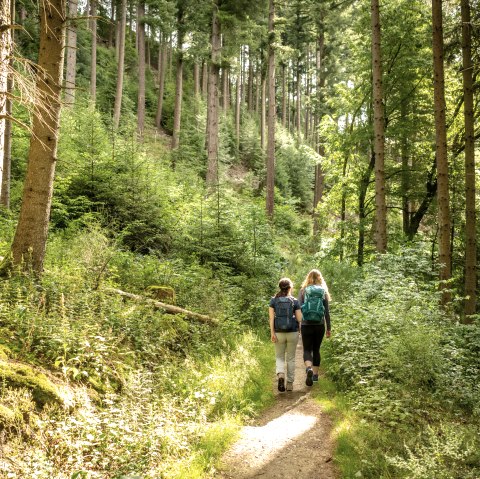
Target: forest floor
point(293, 438)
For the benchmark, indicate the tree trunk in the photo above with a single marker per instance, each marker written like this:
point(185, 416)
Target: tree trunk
point(362, 214)
point(162, 62)
point(405, 179)
point(6, 64)
point(250, 81)
point(319, 176)
point(5, 51)
point(177, 112)
point(263, 113)
point(470, 220)
point(204, 78)
point(441, 151)
point(258, 86)
point(271, 112)
point(121, 63)
point(30, 239)
point(379, 135)
point(141, 67)
point(93, 70)
point(238, 99)
point(298, 113)
point(71, 69)
point(196, 79)
point(212, 101)
point(284, 96)
point(111, 27)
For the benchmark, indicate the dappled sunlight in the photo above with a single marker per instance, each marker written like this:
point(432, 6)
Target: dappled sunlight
point(259, 444)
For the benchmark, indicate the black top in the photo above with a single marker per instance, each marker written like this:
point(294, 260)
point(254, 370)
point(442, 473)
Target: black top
point(301, 300)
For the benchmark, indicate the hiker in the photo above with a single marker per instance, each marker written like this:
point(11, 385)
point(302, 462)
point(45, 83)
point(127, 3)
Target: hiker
point(313, 298)
point(285, 316)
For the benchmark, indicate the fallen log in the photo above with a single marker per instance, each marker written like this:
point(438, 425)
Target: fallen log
point(168, 308)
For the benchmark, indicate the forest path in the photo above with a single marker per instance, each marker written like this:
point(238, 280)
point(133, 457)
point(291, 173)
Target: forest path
point(293, 438)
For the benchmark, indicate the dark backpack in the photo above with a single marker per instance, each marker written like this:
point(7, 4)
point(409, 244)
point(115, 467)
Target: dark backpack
point(312, 307)
point(284, 319)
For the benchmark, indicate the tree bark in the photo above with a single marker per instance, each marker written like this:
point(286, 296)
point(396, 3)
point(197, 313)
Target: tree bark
point(196, 79)
point(250, 81)
point(177, 112)
point(441, 151)
point(238, 100)
point(362, 214)
point(271, 112)
point(30, 239)
point(263, 112)
point(121, 63)
point(319, 176)
point(470, 219)
point(168, 308)
point(162, 62)
point(379, 134)
point(5, 53)
point(284, 96)
point(71, 68)
point(141, 67)
point(204, 78)
point(212, 101)
point(93, 69)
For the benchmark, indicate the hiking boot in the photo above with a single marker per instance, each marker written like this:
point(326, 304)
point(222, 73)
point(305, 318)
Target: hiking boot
point(289, 386)
point(315, 378)
point(281, 384)
point(309, 380)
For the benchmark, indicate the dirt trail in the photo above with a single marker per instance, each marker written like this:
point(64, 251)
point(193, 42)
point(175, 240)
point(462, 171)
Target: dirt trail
point(291, 439)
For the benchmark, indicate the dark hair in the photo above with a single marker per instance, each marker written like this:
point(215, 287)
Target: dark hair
point(284, 285)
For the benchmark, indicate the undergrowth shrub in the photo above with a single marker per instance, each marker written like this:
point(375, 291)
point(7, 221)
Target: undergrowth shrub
point(405, 364)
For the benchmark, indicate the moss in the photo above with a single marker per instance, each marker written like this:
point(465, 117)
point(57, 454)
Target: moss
point(4, 352)
point(22, 376)
point(162, 293)
point(7, 417)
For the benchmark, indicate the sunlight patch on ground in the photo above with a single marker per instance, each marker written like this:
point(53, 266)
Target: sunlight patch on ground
point(258, 445)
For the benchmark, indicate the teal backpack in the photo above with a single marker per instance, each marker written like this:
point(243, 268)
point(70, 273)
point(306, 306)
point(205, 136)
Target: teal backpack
point(312, 308)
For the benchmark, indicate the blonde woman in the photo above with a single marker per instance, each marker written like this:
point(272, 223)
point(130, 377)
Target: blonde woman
point(284, 317)
point(313, 298)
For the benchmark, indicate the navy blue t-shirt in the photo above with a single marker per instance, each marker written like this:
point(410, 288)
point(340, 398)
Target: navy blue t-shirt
point(296, 306)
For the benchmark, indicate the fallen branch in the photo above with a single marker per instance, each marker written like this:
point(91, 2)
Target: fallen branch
point(169, 308)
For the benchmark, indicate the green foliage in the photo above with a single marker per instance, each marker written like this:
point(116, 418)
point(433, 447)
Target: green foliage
point(403, 364)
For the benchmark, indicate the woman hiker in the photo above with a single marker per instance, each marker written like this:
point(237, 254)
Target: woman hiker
point(285, 316)
point(313, 298)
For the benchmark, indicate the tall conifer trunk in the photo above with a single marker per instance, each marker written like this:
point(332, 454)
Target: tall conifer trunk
point(238, 101)
point(141, 67)
point(177, 113)
point(162, 67)
point(122, 19)
point(470, 220)
point(71, 67)
point(284, 96)
point(379, 135)
point(5, 52)
point(30, 239)
point(6, 154)
point(93, 69)
point(319, 176)
point(444, 223)
point(271, 112)
point(212, 100)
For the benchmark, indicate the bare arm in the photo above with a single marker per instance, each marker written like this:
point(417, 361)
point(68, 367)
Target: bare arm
point(271, 317)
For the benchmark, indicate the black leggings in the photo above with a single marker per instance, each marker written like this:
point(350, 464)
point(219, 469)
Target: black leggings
point(312, 336)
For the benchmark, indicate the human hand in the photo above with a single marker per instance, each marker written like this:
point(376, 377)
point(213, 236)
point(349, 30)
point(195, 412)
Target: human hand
point(328, 334)
point(274, 338)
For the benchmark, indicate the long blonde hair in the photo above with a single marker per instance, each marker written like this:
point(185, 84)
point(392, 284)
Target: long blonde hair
point(315, 277)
